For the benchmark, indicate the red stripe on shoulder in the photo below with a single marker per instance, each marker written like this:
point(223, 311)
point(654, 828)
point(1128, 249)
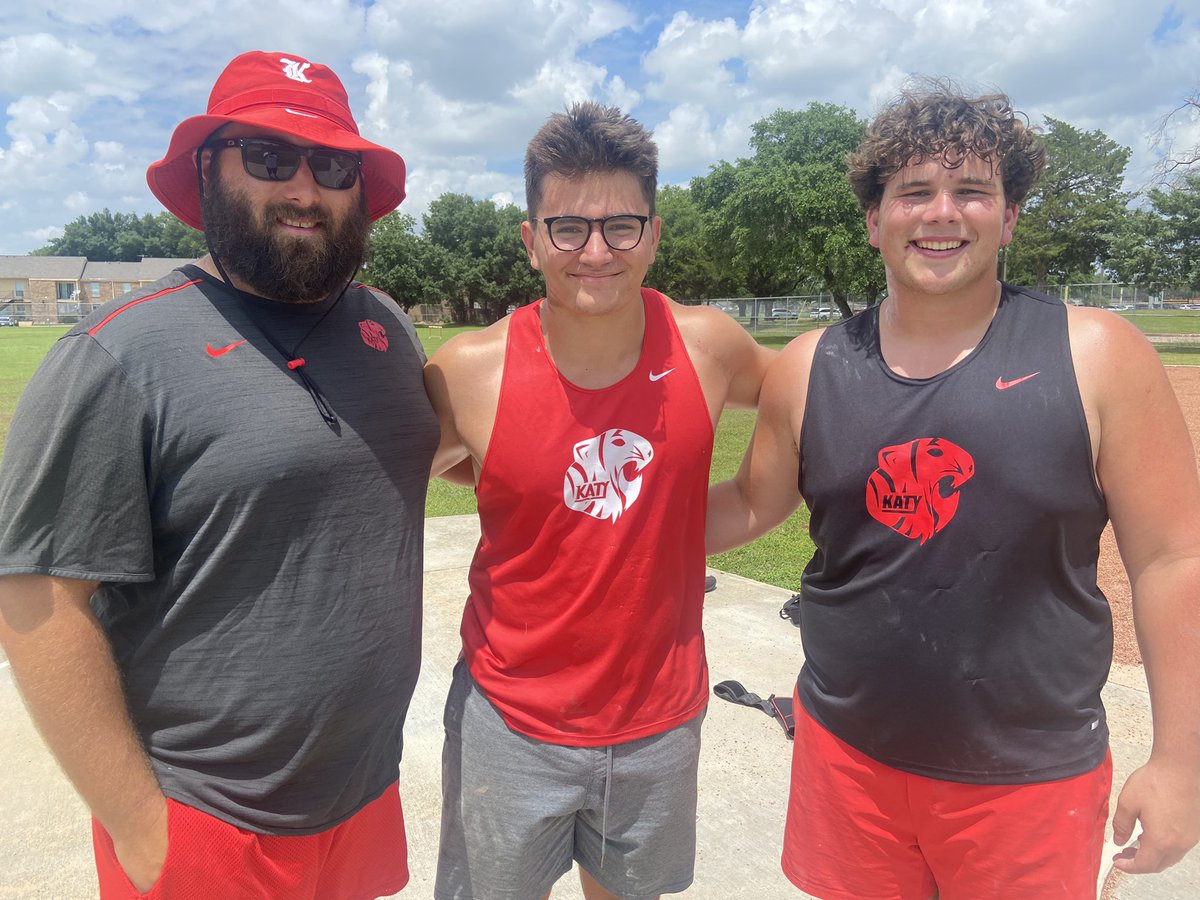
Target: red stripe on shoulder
point(132, 303)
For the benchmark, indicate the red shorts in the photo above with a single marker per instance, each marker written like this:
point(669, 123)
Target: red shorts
point(364, 857)
point(857, 829)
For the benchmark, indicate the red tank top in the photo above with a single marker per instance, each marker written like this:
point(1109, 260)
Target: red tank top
point(583, 623)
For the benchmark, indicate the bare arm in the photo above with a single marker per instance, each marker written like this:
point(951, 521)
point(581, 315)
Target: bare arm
point(1147, 469)
point(748, 364)
point(450, 458)
point(463, 382)
point(64, 666)
point(765, 490)
point(730, 364)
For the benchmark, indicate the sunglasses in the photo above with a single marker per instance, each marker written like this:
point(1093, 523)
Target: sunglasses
point(279, 161)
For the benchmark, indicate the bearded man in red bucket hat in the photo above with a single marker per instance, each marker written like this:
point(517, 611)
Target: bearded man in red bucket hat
point(212, 496)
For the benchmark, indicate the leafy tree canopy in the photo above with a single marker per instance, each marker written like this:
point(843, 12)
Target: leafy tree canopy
point(1069, 221)
point(410, 268)
point(787, 215)
point(125, 237)
point(492, 270)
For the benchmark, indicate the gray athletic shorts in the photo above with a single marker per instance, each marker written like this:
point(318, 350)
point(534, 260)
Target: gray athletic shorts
point(516, 811)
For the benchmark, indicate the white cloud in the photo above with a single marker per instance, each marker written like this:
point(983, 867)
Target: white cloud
point(689, 62)
point(91, 92)
point(690, 141)
point(43, 142)
point(33, 63)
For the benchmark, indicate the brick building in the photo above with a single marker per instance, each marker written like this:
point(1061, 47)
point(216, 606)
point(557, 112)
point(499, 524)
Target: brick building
point(57, 290)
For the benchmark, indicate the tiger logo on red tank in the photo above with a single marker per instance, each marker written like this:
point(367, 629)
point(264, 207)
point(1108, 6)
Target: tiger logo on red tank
point(915, 490)
point(605, 478)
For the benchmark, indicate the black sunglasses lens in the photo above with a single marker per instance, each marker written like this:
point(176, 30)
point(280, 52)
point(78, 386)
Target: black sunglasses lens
point(334, 169)
point(270, 162)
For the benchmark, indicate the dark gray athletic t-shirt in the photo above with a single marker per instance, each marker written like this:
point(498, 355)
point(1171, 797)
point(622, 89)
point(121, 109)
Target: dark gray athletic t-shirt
point(260, 567)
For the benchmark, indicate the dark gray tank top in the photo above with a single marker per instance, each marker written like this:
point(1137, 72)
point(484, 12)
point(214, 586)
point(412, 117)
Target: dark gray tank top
point(951, 621)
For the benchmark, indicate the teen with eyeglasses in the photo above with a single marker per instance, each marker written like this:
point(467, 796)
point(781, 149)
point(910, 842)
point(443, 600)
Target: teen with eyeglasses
point(573, 720)
point(210, 568)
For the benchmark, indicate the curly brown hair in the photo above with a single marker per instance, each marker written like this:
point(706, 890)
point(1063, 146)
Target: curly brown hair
point(938, 122)
point(587, 138)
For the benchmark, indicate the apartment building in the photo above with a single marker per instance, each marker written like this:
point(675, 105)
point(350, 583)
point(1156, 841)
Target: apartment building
point(58, 290)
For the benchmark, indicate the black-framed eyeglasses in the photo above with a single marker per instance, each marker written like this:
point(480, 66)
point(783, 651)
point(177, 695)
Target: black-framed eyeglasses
point(278, 161)
point(570, 233)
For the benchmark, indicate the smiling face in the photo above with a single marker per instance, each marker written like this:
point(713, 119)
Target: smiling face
point(292, 241)
point(940, 230)
point(595, 279)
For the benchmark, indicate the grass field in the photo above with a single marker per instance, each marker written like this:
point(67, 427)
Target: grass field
point(777, 558)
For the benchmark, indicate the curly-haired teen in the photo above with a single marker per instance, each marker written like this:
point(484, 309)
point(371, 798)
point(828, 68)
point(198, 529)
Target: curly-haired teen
point(951, 128)
point(962, 447)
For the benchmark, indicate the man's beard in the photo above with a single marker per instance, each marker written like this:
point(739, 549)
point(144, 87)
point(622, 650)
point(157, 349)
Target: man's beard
point(278, 266)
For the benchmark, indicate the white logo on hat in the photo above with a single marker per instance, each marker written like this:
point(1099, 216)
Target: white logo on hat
point(295, 70)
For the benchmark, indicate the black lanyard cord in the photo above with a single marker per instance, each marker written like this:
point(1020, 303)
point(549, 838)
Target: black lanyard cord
point(294, 363)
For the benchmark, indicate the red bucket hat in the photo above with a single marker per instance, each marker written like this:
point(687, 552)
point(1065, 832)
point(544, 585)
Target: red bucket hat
point(283, 92)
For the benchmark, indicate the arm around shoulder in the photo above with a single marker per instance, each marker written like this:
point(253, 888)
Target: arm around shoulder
point(463, 382)
point(766, 489)
point(719, 344)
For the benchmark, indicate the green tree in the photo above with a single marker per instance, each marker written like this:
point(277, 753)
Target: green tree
point(412, 269)
point(490, 266)
point(1070, 219)
point(1176, 234)
point(788, 213)
point(686, 266)
point(124, 237)
point(1138, 250)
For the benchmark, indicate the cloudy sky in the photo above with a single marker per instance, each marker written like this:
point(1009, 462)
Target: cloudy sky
point(91, 92)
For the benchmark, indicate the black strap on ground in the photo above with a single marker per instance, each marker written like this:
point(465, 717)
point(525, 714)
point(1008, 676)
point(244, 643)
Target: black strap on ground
point(778, 708)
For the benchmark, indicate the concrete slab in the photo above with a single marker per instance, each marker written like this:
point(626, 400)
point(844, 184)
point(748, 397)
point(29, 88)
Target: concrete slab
point(45, 844)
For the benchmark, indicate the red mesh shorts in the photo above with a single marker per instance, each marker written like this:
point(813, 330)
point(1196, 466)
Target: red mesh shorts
point(860, 830)
point(364, 857)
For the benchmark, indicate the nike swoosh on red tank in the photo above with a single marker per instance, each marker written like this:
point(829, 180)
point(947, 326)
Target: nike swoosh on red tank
point(1002, 385)
point(221, 351)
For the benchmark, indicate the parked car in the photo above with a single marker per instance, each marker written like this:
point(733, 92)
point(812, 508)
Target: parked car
point(821, 312)
point(6, 319)
point(780, 312)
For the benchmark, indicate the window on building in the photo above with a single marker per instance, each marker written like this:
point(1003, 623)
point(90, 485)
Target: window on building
point(126, 287)
point(64, 290)
point(19, 292)
point(95, 287)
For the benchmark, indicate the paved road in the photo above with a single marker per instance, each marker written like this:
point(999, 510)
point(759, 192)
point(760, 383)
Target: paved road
point(45, 844)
